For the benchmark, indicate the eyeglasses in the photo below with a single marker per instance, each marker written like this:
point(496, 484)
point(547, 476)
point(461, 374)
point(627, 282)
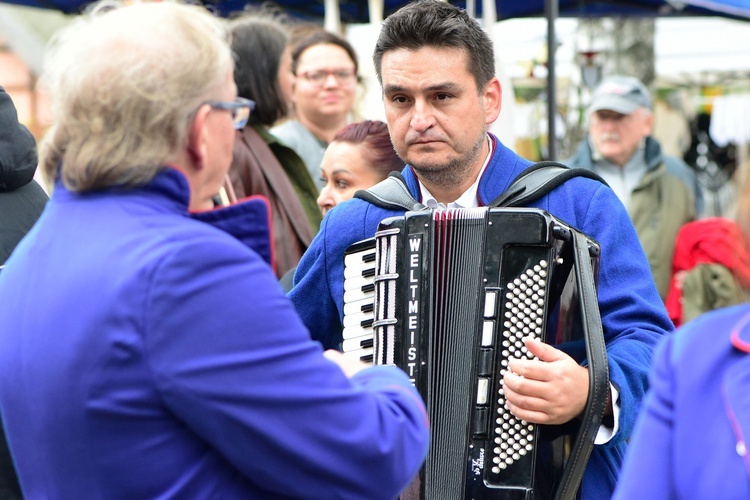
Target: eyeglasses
point(240, 109)
point(318, 77)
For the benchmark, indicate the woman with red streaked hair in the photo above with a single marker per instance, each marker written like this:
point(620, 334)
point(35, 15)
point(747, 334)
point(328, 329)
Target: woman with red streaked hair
point(360, 156)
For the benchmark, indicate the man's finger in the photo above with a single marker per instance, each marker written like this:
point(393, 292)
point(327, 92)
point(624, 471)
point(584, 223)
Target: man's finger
point(544, 352)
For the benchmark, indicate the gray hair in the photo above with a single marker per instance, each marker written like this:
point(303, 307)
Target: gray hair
point(436, 23)
point(125, 83)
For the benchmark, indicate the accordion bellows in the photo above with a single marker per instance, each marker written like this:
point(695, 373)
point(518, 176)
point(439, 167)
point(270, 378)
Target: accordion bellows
point(448, 296)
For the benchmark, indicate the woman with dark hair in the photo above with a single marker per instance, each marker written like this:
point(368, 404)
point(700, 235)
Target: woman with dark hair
point(262, 165)
point(324, 94)
point(360, 156)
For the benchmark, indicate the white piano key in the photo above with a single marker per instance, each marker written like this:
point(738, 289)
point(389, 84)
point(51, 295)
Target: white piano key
point(357, 282)
point(357, 306)
point(490, 301)
point(357, 343)
point(356, 319)
point(356, 331)
point(357, 295)
point(359, 354)
point(359, 258)
point(488, 329)
point(358, 271)
point(483, 389)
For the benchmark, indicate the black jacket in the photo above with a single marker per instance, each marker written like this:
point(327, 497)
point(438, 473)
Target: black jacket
point(21, 198)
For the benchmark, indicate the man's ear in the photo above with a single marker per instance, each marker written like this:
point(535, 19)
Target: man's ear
point(648, 123)
point(492, 100)
point(198, 137)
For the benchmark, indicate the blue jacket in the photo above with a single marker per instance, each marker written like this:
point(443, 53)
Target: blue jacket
point(632, 313)
point(145, 354)
point(691, 440)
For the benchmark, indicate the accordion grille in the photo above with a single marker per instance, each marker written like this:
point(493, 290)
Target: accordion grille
point(453, 345)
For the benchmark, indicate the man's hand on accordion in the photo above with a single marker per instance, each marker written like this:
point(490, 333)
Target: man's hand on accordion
point(549, 390)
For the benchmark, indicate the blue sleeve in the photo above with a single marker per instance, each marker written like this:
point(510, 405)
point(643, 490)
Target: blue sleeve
point(633, 315)
point(232, 360)
point(318, 292)
point(648, 468)
point(312, 295)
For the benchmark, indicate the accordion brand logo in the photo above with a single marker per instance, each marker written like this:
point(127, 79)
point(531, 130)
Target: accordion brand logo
point(477, 464)
point(412, 320)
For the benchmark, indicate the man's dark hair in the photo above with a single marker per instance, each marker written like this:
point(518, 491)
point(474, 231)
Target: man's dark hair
point(435, 23)
point(258, 41)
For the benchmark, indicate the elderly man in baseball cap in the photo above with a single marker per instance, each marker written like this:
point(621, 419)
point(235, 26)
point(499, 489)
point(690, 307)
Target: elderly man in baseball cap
point(660, 192)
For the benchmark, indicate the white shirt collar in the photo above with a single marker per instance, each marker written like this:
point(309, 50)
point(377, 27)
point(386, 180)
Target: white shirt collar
point(469, 197)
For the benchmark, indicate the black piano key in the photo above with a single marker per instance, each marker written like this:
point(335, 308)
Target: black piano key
point(368, 273)
point(366, 359)
point(370, 287)
point(367, 323)
point(484, 363)
point(479, 421)
point(368, 257)
point(368, 308)
point(367, 343)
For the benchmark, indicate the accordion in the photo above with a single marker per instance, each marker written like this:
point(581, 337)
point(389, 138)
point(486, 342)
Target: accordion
point(448, 296)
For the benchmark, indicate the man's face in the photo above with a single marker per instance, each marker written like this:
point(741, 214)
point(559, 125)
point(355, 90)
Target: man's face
point(436, 116)
point(616, 136)
point(221, 143)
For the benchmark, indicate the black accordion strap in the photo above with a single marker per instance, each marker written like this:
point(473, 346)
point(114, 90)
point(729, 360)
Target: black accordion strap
point(596, 353)
point(538, 180)
point(531, 184)
point(390, 193)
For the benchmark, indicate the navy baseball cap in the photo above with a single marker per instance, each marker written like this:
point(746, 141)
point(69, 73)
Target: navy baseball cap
point(623, 94)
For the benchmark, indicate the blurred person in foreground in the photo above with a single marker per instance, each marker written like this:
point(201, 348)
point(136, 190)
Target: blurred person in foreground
point(22, 200)
point(690, 440)
point(360, 156)
point(145, 352)
point(325, 90)
point(660, 192)
point(440, 92)
point(261, 164)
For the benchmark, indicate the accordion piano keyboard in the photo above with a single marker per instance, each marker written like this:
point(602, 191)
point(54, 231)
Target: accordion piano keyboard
point(359, 296)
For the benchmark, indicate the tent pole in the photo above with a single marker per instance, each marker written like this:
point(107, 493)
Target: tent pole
point(332, 19)
point(375, 9)
point(551, 8)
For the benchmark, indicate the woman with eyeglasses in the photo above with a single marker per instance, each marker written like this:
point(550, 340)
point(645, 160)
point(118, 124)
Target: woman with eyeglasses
point(261, 164)
point(324, 95)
